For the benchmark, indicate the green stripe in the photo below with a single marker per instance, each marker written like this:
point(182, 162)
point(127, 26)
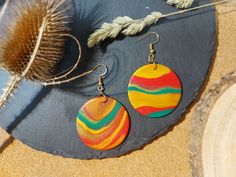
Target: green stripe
point(106, 120)
point(160, 114)
point(162, 91)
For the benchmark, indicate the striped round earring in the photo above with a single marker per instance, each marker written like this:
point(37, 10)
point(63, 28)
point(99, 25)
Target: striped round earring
point(154, 90)
point(102, 122)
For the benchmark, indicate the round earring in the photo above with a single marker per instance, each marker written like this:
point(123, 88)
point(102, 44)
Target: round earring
point(154, 90)
point(102, 122)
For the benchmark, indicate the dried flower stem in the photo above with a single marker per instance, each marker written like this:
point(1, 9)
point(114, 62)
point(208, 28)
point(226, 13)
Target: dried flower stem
point(43, 25)
point(4, 8)
point(128, 26)
point(13, 83)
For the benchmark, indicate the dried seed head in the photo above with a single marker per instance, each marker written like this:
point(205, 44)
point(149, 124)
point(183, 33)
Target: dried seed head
point(32, 30)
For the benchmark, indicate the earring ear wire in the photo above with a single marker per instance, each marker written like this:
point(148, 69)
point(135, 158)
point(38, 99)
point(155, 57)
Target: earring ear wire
point(151, 58)
point(148, 34)
point(100, 80)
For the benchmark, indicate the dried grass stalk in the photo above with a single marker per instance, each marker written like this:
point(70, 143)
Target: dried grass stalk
point(180, 4)
point(129, 27)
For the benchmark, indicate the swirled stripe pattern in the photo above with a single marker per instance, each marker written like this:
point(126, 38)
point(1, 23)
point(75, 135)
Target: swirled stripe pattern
point(154, 92)
point(103, 125)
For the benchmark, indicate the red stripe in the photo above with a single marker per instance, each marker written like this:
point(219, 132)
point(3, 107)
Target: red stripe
point(107, 133)
point(87, 113)
point(167, 80)
point(123, 131)
point(145, 110)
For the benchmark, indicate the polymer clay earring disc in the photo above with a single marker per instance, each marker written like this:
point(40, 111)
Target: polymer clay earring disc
point(154, 91)
point(103, 123)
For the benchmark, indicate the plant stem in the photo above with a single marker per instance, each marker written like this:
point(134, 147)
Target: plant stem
point(13, 83)
point(4, 9)
point(195, 8)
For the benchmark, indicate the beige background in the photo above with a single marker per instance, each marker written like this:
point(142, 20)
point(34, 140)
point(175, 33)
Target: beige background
point(165, 157)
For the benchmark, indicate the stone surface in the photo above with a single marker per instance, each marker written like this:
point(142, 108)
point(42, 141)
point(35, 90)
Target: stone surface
point(44, 118)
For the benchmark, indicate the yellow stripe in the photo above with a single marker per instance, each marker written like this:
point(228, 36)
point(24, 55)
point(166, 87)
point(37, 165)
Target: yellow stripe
point(117, 143)
point(107, 141)
point(139, 99)
point(148, 72)
point(89, 130)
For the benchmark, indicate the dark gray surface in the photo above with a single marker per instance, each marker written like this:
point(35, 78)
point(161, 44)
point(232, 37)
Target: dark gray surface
point(44, 118)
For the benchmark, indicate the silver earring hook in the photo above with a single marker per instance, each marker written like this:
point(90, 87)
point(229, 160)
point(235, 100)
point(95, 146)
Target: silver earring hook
point(151, 58)
point(145, 36)
point(105, 67)
point(100, 81)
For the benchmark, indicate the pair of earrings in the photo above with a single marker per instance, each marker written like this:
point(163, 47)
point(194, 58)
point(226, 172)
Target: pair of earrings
point(154, 91)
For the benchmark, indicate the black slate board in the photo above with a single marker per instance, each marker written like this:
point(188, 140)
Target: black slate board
point(44, 118)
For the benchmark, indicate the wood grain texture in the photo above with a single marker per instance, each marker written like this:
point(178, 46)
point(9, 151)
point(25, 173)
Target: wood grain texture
point(219, 145)
point(44, 118)
point(212, 133)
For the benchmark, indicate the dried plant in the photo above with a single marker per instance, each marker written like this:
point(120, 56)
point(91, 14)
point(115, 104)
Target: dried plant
point(128, 26)
point(124, 25)
point(180, 4)
point(32, 39)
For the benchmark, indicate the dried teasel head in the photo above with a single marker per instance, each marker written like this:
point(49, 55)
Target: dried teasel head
point(32, 37)
point(33, 34)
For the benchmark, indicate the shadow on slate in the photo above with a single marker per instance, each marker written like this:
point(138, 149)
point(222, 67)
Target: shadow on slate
point(44, 118)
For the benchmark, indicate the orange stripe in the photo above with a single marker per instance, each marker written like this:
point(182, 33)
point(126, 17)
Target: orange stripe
point(96, 139)
point(120, 137)
point(99, 110)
